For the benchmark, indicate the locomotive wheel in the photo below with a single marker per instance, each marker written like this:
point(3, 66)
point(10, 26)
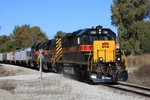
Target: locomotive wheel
point(76, 73)
point(60, 69)
point(79, 73)
point(36, 66)
point(63, 72)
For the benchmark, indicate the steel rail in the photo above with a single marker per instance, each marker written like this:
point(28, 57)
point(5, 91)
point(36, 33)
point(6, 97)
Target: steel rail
point(140, 90)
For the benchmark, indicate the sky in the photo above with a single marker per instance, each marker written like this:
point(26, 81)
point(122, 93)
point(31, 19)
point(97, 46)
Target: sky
point(55, 15)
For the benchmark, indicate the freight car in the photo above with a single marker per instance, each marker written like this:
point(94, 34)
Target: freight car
point(91, 54)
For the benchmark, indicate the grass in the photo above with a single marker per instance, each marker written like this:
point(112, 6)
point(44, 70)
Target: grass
point(138, 61)
point(141, 74)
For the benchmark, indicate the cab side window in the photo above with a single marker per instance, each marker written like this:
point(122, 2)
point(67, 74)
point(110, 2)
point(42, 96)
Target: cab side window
point(84, 39)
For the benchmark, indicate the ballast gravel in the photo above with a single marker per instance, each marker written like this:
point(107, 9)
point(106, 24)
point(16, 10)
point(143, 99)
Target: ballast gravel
point(27, 86)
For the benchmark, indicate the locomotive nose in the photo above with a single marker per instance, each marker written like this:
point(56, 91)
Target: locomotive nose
point(104, 51)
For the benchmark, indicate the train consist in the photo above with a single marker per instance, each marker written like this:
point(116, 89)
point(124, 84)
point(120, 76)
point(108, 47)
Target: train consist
point(90, 53)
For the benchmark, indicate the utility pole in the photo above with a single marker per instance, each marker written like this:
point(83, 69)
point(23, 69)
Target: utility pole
point(40, 57)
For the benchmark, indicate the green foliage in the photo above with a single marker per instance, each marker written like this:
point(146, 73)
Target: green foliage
point(3, 39)
point(60, 34)
point(145, 42)
point(128, 16)
point(22, 37)
point(26, 36)
point(8, 46)
point(125, 12)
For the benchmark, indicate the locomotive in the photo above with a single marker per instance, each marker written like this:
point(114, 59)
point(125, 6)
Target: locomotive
point(91, 53)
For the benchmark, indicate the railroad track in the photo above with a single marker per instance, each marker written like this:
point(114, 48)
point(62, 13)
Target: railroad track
point(140, 90)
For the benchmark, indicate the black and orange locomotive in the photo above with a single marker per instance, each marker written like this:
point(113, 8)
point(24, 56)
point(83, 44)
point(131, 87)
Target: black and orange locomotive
point(90, 53)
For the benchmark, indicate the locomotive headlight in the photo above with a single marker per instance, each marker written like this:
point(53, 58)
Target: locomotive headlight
point(100, 59)
point(118, 59)
point(117, 47)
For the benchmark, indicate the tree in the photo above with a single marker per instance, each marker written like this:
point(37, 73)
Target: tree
point(26, 36)
point(22, 37)
point(6, 43)
point(4, 39)
point(128, 16)
point(35, 35)
point(145, 43)
point(8, 46)
point(59, 34)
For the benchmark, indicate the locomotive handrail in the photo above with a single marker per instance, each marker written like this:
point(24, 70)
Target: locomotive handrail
point(92, 62)
point(124, 56)
point(89, 62)
point(125, 59)
point(53, 60)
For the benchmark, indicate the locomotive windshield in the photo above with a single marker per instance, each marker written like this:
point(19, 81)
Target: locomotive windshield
point(100, 37)
point(90, 35)
point(104, 34)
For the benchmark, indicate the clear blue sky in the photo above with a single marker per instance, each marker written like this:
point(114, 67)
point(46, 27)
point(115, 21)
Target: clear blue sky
point(54, 15)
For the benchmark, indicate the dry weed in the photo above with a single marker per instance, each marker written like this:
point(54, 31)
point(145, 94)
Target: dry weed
point(138, 61)
point(141, 76)
point(143, 71)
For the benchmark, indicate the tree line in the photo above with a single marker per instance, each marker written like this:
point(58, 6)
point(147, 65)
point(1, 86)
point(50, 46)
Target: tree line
point(22, 37)
point(132, 18)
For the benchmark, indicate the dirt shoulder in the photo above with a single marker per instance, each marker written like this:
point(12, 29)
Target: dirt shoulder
point(13, 70)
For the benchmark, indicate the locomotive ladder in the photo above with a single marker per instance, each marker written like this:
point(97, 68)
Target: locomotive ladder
point(90, 61)
point(125, 62)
